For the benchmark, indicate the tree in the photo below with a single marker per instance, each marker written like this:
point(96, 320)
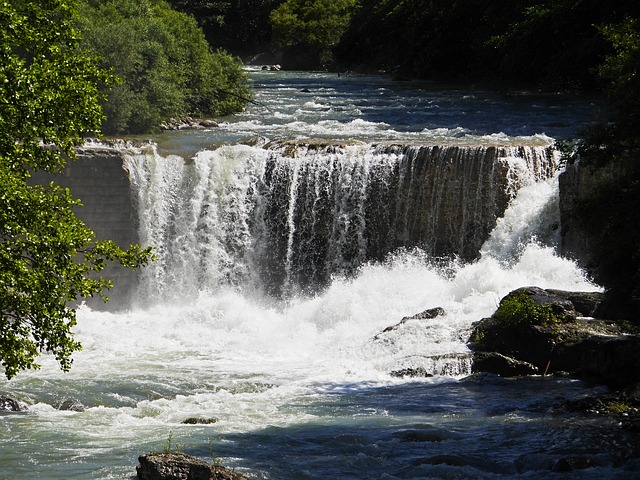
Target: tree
point(165, 66)
point(608, 212)
point(49, 100)
point(313, 24)
point(239, 26)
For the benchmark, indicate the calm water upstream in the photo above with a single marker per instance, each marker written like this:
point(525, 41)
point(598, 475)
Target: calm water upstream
point(265, 306)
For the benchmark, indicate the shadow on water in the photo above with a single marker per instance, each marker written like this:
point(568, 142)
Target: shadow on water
point(478, 428)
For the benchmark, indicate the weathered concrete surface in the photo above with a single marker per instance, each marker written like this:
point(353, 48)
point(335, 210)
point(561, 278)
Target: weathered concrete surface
point(99, 180)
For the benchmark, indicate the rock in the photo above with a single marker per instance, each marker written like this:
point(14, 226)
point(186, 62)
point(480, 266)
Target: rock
point(572, 463)
point(199, 421)
point(180, 466)
point(417, 372)
point(585, 303)
point(590, 348)
point(493, 362)
point(632, 394)
point(425, 433)
point(207, 123)
point(10, 403)
point(560, 305)
point(425, 315)
point(71, 405)
point(480, 463)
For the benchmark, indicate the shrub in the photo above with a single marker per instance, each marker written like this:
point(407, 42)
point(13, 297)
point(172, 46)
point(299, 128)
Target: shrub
point(519, 309)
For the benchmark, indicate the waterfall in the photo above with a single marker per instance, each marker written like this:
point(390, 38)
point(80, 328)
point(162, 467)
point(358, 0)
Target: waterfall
point(285, 218)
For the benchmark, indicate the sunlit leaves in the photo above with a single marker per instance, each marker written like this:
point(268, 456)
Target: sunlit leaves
point(316, 23)
point(49, 99)
point(164, 63)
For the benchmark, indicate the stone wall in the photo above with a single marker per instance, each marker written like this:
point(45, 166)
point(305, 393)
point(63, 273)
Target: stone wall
point(576, 243)
point(99, 180)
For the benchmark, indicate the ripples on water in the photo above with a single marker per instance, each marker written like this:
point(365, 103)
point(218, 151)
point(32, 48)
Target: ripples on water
point(301, 387)
point(376, 109)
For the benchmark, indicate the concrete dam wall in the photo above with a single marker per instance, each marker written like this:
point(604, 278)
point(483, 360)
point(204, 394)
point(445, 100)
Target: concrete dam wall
point(98, 178)
point(289, 218)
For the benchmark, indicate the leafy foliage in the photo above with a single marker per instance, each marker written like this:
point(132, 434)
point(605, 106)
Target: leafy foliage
point(315, 24)
point(49, 99)
point(165, 65)
point(516, 312)
point(519, 309)
point(238, 26)
point(548, 44)
point(608, 212)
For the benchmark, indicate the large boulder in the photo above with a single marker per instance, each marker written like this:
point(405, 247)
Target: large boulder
point(552, 331)
point(180, 466)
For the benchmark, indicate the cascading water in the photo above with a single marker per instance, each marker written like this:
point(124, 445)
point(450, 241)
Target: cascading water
point(287, 218)
point(279, 268)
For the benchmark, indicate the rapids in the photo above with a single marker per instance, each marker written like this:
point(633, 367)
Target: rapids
point(293, 365)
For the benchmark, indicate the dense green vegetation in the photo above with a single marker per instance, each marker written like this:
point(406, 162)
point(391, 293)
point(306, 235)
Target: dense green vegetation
point(313, 27)
point(516, 311)
point(549, 44)
point(165, 66)
point(609, 214)
point(49, 99)
point(238, 26)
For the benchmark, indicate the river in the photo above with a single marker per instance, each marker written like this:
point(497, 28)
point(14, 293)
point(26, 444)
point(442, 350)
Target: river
point(285, 356)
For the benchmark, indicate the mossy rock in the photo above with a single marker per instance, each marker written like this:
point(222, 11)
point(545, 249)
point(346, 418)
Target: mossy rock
point(178, 466)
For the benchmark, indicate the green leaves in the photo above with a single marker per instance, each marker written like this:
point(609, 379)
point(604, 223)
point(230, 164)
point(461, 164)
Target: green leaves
point(164, 62)
point(314, 23)
point(49, 99)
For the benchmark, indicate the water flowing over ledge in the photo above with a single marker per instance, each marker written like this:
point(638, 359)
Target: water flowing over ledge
point(288, 217)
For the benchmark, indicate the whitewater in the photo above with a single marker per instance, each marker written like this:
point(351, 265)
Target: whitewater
point(293, 370)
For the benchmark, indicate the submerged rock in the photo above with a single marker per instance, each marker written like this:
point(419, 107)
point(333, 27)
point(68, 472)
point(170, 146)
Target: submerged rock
point(502, 365)
point(180, 466)
point(199, 421)
point(71, 404)
point(411, 372)
point(10, 403)
point(569, 464)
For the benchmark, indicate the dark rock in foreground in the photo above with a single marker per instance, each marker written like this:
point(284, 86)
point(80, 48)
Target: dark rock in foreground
point(501, 365)
point(180, 466)
point(549, 330)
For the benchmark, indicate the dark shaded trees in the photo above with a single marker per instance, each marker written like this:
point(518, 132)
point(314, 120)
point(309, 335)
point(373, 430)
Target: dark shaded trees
point(547, 44)
point(608, 213)
point(241, 27)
